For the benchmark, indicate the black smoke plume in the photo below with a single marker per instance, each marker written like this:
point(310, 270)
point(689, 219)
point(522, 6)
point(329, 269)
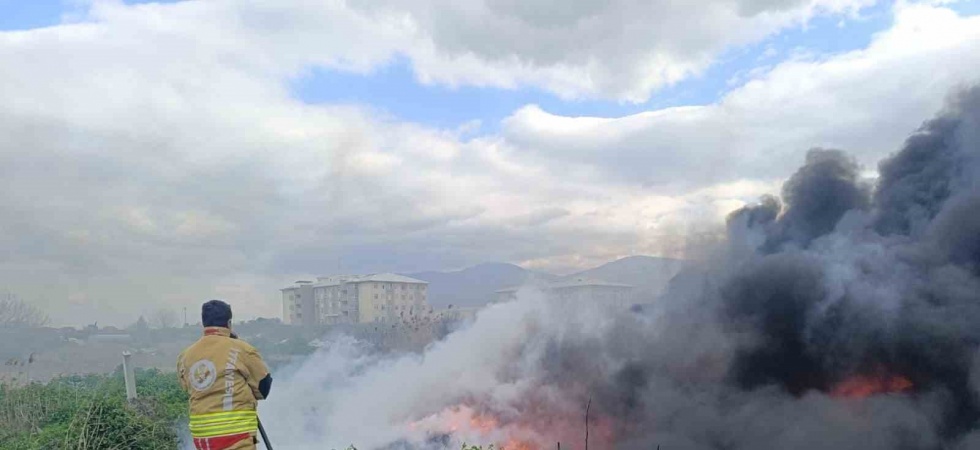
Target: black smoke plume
point(840, 278)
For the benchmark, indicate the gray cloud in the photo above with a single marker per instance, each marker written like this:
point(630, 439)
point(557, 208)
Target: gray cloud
point(132, 178)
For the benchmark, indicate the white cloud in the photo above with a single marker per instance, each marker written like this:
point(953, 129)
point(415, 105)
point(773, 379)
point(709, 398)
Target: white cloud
point(866, 101)
point(618, 49)
point(152, 153)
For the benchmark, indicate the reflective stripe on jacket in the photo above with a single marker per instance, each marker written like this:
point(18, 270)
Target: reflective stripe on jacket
point(223, 423)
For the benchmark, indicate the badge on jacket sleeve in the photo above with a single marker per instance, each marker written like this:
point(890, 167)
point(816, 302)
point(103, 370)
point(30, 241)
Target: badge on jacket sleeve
point(202, 375)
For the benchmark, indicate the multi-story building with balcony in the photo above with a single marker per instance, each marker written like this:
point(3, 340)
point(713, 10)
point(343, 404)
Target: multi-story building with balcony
point(580, 290)
point(298, 305)
point(355, 299)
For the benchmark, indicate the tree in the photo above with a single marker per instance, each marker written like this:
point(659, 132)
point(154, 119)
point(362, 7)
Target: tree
point(15, 312)
point(140, 326)
point(164, 318)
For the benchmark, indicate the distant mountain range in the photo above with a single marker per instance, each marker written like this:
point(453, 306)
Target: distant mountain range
point(477, 285)
point(649, 275)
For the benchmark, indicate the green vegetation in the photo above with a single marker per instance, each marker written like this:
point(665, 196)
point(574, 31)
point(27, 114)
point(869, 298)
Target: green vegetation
point(91, 412)
point(475, 447)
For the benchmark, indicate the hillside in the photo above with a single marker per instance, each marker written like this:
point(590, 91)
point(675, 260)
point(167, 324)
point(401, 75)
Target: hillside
point(650, 275)
point(474, 286)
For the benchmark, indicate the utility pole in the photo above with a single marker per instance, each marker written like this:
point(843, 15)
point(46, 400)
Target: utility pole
point(129, 376)
point(185, 317)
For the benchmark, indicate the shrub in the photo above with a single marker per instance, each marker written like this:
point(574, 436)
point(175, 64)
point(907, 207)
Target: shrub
point(91, 412)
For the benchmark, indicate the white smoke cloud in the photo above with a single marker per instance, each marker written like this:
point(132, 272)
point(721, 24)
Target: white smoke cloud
point(341, 396)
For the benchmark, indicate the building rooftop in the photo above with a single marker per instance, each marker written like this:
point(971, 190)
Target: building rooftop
point(391, 278)
point(571, 283)
point(334, 280)
point(586, 282)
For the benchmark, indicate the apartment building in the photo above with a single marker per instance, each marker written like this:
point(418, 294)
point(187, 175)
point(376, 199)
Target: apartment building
point(298, 305)
point(581, 290)
point(371, 298)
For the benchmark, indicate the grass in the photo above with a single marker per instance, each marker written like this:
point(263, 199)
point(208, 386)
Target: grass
point(91, 412)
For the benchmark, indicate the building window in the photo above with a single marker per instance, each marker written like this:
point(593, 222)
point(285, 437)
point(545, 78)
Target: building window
point(375, 296)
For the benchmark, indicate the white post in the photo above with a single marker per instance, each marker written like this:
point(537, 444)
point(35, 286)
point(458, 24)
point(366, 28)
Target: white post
point(129, 376)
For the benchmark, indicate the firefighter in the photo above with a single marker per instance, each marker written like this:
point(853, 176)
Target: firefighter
point(224, 377)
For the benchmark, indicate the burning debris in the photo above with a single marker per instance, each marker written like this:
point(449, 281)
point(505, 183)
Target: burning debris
point(839, 293)
point(862, 386)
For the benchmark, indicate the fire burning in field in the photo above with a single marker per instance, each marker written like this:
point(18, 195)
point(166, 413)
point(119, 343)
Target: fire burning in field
point(838, 291)
point(465, 424)
point(862, 386)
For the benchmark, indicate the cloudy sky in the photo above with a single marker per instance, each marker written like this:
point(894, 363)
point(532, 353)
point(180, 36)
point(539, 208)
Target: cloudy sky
point(163, 153)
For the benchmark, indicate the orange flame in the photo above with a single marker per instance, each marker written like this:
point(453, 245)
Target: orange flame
point(482, 423)
point(534, 428)
point(516, 444)
point(863, 386)
point(482, 426)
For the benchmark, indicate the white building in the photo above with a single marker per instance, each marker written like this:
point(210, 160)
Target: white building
point(355, 299)
point(298, 305)
point(580, 290)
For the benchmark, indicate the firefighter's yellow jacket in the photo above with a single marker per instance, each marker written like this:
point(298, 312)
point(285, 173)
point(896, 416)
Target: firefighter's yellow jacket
point(221, 374)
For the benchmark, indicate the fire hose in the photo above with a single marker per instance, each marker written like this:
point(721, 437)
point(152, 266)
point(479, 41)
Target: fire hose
point(265, 437)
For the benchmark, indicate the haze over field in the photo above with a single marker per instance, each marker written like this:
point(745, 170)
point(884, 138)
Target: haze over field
point(165, 153)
